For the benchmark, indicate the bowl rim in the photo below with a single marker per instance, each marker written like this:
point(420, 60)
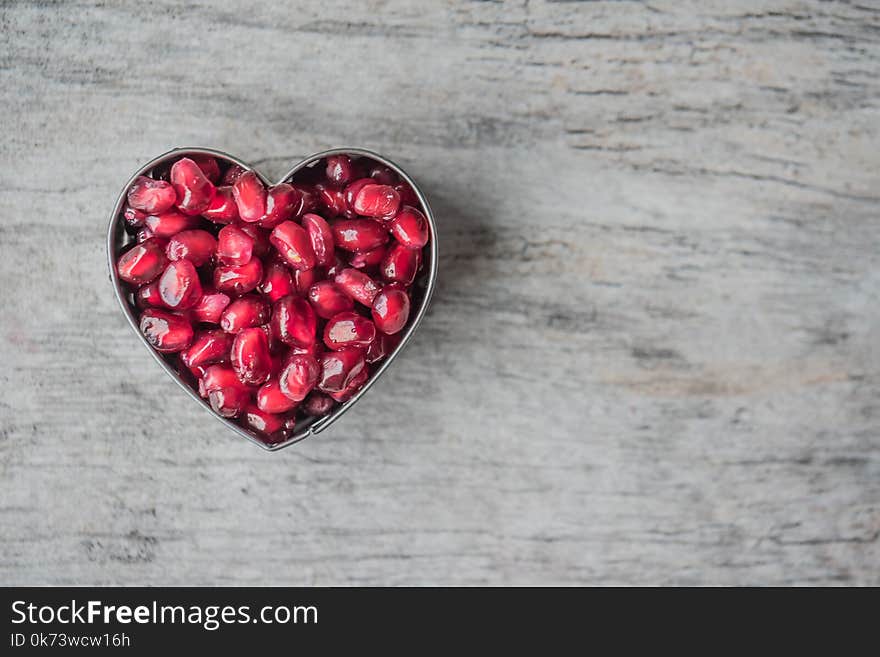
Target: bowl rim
point(312, 426)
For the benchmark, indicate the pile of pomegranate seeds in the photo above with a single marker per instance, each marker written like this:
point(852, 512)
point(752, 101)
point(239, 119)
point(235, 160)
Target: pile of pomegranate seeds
point(275, 303)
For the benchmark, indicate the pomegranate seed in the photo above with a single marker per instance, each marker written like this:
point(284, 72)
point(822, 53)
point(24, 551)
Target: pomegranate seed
point(377, 201)
point(338, 265)
point(410, 227)
point(309, 198)
point(222, 209)
point(238, 279)
point(316, 350)
point(400, 264)
point(234, 246)
point(207, 347)
point(217, 377)
point(170, 223)
point(245, 312)
point(293, 321)
point(270, 399)
point(382, 346)
point(368, 259)
point(142, 262)
point(277, 281)
point(210, 307)
point(390, 310)
point(197, 246)
point(151, 196)
point(179, 285)
point(194, 191)
point(271, 427)
point(189, 374)
point(352, 189)
point(328, 299)
point(166, 331)
point(321, 238)
point(356, 384)
point(382, 175)
point(359, 234)
point(339, 169)
point(317, 404)
point(293, 243)
point(229, 402)
point(340, 368)
point(348, 329)
point(260, 238)
point(299, 376)
point(303, 279)
point(250, 196)
point(357, 285)
point(132, 217)
point(407, 194)
point(232, 174)
point(148, 295)
point(209, 167)
point(282, 203)
point(250, 356)
point(331, 200)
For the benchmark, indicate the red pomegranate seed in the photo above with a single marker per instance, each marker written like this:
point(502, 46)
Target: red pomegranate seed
point(293, 321)
point(303, 279)
point(166, 331)
point(359, 235)
point(356, 384)
point(229, 402)
point(210, 307)
point(271, 427)
point(299, 376)
point(339, 169)
point(368, 259)
point(170, 223)
point(382, 346)
point(189, 374)
point(217, 377)
point(282, 203)
point(245, 312)
point(277, 281)
point(142, 262)
point(234, 246)
point(338, 265)
point(207, 347)
point(357, 285)
point(222, 209)
point(328, 299)
point(250, 356)
point(238, 279)
point(260, 238)
point(194, 191)
point(316, 350)
point(407, 194)
point(317, 404)
point(382, 175)
point(250, 196)
point(340, 368)
point(132, 217)
point(377, 201)
point(197, 246)
point(410, 227)
point(352, 189)
point(209, 167)
point(232, 174)
point(390, 310)
point(348, 329)
point(270, 399)
point(400, 264)
point(321, 238)
point(331, 200)
point(179, 285)
point(294, 245)
point(148, 295)
point(151, 196)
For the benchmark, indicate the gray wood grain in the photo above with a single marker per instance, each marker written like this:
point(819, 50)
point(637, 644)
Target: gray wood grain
point(652, 357)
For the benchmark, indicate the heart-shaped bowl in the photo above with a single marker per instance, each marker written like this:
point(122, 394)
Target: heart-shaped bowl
point(118, 238)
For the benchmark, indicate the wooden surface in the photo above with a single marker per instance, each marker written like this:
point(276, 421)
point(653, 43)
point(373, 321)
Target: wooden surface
point(654, 352)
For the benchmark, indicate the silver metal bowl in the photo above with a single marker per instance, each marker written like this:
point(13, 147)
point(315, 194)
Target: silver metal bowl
point(118, 238)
